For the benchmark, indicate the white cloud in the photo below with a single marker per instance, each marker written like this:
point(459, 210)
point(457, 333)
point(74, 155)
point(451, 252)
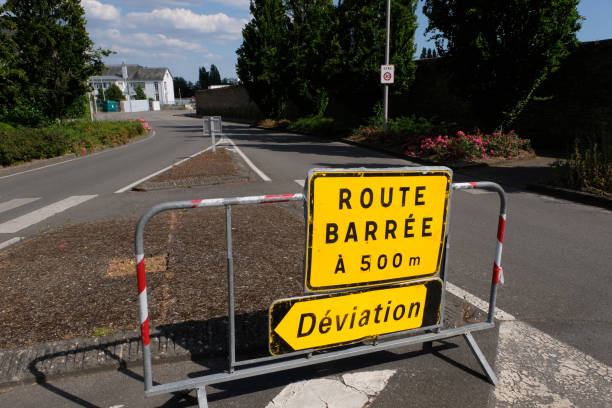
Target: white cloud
point(182, 19)
point(97, 10)
point(183, 3)
point(145, 41)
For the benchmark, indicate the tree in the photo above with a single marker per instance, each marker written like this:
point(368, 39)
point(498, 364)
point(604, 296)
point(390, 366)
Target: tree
point(315, 53)
point(113, 93)
point(423, 53)
point(214, 77)
point(55, 53)
point(183, 88)
point(140, 94)
point(362, 37)
point(501, 51)
point(263, 56)
point(203, 78)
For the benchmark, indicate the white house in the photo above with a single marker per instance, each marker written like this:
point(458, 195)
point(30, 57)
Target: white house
point(157, 83)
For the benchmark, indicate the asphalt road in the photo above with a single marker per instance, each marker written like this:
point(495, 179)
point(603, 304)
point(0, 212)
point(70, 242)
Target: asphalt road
point(556, 351)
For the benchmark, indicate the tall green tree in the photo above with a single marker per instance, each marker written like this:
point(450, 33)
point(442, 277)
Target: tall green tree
point(315, 53)
point(214, 77)
point(502, 50)
point(203, 78)
point(183, 88)
point(362, 25)
point(54, 52)
point(12, 108)
point(263, 57)
point(113, 93)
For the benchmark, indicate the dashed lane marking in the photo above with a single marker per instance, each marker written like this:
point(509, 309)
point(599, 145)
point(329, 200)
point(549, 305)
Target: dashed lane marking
point(16, 202)
point(300, 182)
point(19, 223)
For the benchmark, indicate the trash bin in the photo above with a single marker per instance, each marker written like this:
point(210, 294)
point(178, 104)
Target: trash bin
point(110, 106)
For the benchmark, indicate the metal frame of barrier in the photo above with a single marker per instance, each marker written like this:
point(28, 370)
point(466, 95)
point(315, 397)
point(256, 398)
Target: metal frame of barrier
point(210, 126)
point(265, 365)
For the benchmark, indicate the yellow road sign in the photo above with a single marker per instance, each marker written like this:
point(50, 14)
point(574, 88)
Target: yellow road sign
point(374, 227)
point(323, 321)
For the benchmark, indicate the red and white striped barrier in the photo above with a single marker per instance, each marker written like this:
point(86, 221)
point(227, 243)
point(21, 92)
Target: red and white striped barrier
point(498, 274)
point(140, 265)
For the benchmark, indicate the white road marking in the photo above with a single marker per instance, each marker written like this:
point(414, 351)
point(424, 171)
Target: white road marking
point(249, 162)
point(300, 182)
point(142, 180)
point(80, 157)
point(354, 390)
point(10, 242)
point(19, 223)
point(537, 370)
point(16, 202)
point(534, 369)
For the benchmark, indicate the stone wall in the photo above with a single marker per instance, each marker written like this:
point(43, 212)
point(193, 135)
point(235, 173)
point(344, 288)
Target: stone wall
point(229, 102)
point(574, 103)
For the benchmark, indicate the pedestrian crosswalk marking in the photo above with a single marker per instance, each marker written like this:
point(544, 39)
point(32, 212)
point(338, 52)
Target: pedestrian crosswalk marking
point(16, 202)
point(34, 217)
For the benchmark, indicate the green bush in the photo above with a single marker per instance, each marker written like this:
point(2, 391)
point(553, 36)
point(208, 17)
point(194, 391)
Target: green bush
point(319, 126)
point(22, 145)
point(18, 145)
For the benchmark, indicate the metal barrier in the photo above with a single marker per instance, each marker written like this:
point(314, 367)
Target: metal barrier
point(302, 358)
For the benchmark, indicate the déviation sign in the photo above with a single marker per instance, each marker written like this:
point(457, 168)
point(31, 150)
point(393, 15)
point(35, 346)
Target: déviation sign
point(323, 321)
point(374, 227)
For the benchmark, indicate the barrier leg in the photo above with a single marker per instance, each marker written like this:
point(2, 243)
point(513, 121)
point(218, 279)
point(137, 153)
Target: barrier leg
point(484, 364)
point(202, 400)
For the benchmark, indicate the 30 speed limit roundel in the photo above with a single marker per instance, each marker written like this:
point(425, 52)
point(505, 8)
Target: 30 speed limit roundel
point(374, 227)
point(387, 74)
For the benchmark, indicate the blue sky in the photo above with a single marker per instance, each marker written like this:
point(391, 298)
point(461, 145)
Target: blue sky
point(186, 34)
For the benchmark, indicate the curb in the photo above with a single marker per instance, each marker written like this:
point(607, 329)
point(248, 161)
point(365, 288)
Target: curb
point(193, 341)
point(572, 195)
point(243, 176)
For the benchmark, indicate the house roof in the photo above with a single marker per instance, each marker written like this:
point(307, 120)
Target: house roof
point(136, 72)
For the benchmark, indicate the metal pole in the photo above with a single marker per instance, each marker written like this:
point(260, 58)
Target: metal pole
point(128, 95)
point(230, 290)
point(91, 108)
point(212, 134)
point(386, 89)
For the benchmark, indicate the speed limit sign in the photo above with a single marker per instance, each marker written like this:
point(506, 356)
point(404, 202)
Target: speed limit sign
point(386, 74)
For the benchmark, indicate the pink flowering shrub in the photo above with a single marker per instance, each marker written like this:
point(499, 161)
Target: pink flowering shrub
point(456, 145)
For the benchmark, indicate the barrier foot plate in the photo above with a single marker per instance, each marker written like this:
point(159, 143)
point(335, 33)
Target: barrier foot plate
point(484, 364)
point(202, 400)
